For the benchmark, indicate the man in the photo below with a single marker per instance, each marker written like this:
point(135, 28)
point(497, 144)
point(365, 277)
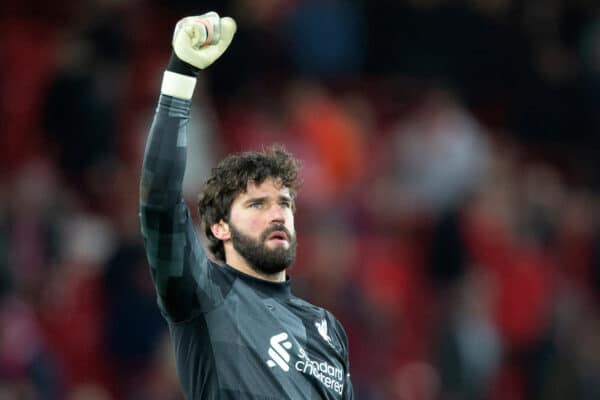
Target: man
point(237, 330)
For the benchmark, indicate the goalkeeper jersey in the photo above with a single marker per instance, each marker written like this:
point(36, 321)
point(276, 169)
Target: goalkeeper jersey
point(234, 336)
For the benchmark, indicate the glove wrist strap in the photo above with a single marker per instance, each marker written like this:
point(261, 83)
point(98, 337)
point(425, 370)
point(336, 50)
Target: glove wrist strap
point(179, 66)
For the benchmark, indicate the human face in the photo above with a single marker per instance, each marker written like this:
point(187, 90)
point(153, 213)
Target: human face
point(262, 227)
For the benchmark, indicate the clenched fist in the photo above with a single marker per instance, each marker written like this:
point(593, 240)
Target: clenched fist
point(200, 40)
point(197, 42)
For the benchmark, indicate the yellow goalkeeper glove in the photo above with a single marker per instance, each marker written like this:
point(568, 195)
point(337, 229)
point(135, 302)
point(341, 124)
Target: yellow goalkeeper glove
point(198, 41)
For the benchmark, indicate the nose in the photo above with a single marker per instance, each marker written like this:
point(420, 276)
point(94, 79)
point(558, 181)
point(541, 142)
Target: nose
point(277, 214)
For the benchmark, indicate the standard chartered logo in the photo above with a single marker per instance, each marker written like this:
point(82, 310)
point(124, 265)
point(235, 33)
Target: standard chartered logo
point(329, 376)
point(278, 353)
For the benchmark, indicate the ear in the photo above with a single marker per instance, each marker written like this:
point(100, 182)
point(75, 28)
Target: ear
point(221, 230)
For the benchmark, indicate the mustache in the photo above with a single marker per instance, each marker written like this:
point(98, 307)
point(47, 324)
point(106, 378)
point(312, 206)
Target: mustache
point(276, 228)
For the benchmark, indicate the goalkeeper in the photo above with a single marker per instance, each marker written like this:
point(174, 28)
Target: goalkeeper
point(237, 330)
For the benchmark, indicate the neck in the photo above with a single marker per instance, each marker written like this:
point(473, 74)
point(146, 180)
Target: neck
point(236, 261)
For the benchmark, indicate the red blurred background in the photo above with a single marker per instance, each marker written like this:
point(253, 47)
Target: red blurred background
point(449, 215)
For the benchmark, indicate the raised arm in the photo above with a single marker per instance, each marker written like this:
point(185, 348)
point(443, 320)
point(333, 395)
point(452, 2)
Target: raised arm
point(179, 266)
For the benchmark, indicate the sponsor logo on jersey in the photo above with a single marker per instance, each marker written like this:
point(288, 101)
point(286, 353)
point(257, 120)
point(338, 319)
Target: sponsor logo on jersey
point(278, 353)
point(328, 375)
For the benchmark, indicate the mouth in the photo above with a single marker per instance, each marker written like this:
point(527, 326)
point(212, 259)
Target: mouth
point(278, 237)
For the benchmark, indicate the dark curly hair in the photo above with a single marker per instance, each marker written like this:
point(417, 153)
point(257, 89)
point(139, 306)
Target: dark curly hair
point(231, 177)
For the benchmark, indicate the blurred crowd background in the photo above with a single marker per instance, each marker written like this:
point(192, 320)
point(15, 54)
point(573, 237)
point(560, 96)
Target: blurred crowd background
point(449, 215)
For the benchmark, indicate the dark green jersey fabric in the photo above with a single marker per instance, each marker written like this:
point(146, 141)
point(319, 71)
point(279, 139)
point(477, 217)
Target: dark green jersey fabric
point(235, 336)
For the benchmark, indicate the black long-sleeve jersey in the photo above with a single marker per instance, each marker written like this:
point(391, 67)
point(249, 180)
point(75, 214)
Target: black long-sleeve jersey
point(235, 336)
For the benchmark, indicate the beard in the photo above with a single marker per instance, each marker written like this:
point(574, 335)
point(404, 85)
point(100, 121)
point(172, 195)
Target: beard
point(261, 258)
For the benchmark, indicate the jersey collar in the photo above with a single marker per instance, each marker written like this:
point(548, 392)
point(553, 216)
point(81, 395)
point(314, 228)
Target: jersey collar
point(271, 289)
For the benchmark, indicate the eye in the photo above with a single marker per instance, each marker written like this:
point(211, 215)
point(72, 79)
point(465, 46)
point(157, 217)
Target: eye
point(256, 204)
point(286, 204)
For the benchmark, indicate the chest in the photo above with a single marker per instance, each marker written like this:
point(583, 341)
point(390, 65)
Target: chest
point(283, 341)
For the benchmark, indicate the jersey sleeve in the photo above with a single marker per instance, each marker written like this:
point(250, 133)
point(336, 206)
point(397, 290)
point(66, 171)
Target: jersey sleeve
point(182, 273)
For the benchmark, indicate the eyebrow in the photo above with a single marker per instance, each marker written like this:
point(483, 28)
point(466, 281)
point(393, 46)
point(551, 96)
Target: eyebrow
point(262, 199)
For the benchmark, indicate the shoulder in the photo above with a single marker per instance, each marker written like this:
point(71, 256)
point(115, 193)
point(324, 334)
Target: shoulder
point(221, 276)
point(308, 308)
point(317, 311)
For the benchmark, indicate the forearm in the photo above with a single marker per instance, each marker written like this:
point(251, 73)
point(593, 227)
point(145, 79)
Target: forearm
point(165, 155)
